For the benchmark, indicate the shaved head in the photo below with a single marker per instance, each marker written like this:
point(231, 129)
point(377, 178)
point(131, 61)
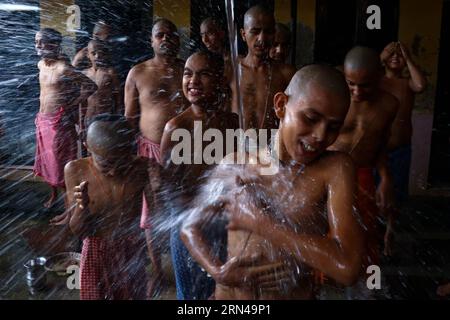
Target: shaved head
point(362, 58)
point(256, 11)
point(166, 22)
point(109, 132)
point(323, 76)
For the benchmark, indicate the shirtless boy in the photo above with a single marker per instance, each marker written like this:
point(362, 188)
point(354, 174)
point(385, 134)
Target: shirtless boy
point(395, 58)
point(102, 31)
point(364, 137)
point(62, 89)
point(105, 194)
point(202, 80)
point(107, 98)
point(300, 219)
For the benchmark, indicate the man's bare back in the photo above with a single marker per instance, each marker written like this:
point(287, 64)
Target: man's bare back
point(366, 129)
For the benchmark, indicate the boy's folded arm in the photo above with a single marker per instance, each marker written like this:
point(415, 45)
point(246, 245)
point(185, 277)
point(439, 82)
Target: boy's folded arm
point(194, 240)
point(338, 254)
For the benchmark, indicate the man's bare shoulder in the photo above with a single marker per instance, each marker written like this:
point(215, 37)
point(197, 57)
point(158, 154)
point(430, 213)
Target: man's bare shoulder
point(334, 163)
point(76, 167)
point(183, 120)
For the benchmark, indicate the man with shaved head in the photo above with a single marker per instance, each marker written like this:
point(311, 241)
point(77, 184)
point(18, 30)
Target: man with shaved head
point(260, 77)
point(105, 201)
point(296, 221)
point(281, 44)
point(153, 93)
point(364, 137)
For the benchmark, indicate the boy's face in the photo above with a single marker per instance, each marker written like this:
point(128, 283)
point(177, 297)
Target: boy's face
point(165, 41)
point(311, 122)
point(98, 55)
point(259, 33)
point(44, 47)
point(212, 38)
point(280, 48)
point(396, 61)
point(200, 81)
point(363, 84)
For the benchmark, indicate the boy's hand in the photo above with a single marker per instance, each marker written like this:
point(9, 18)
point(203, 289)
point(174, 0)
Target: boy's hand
point(388, 51)
point(248, 272)
point(80, 194)
point(404, 51)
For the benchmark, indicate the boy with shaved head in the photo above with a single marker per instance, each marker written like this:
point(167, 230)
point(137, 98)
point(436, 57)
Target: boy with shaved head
point(62, 90)
point(108, 97)
point(102, 31)
point(364, 137)
point(296, 221)
point(105, 194)
point(260, 77)
point(396, 58)
point(202, 82)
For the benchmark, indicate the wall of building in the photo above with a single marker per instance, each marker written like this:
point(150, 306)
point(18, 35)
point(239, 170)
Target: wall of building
point(419, 29)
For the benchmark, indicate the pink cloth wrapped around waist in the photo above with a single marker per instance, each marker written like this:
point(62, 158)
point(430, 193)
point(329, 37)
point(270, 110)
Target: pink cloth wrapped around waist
point(56, 144)
point(112, 269)
point(152, 150)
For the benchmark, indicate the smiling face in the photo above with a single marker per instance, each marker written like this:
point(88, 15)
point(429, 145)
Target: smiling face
point(165, 39)
point(396, 61)
point(201, 80)
point(362, 83)
point(310, 123)
point(45, 47)
point(258, 33)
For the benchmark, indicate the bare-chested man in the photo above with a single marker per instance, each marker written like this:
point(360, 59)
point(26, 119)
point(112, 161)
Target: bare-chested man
point(62, 89)
point(153, 93)
point(260, 77)
point(105, 194)
point(202, 81)
point(282, 43)
point(364, 136)
point(213, 37)
point(102, 31)
point(395, 57)
point(107, 98)
point(300, 219)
